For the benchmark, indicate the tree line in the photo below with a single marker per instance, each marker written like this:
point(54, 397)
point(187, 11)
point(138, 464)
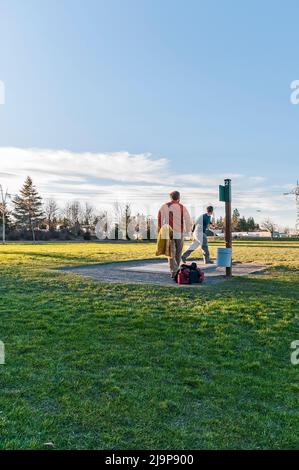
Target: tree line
point(32, 219)
point(239, 224)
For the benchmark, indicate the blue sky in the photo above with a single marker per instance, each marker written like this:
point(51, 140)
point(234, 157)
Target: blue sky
point(192, 90)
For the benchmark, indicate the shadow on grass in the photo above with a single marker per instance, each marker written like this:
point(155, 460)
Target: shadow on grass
point(262, 286)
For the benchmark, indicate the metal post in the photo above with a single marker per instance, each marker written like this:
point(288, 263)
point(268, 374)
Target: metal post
point(3, 202)
point(228, 221)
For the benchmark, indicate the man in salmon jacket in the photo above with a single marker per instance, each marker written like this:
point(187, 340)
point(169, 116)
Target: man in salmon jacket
point(176, 217)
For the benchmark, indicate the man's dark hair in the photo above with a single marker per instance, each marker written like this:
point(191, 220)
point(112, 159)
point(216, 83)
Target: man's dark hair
point(210, 209)
point(175, 195)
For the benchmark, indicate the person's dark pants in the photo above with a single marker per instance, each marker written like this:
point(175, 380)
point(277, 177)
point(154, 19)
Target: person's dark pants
point(176, 249)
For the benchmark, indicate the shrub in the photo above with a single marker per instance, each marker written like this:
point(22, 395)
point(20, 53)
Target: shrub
point(87, 236)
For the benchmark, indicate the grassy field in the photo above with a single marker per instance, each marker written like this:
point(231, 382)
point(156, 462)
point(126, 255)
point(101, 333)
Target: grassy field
point(92, 365)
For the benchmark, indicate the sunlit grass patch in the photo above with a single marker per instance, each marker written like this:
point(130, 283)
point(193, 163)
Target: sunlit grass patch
point(94, 365)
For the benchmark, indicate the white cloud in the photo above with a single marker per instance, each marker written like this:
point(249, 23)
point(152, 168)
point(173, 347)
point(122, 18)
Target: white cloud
point(63, 164)
point(102, 178)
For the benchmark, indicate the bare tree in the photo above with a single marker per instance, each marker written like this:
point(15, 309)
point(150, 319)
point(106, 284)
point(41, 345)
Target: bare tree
point(51, 210)
point(88, 214)
point(73, 217)
point(117, 209)
point(4, 212)
point(141, 226)
point(127, 218)
point(122, 213)
point(269, 226)
point(73, 212)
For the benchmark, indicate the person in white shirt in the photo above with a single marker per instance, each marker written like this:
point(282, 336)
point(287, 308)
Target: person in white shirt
point(200, 238)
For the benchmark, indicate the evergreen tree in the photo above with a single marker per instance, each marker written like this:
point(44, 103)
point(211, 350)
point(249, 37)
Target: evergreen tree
point(235, 219)
point(242, 225)
point(251, 225)
point(28, 207)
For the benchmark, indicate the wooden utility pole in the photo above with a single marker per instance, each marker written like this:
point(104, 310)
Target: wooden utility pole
point(228, 220)
point(225, 195)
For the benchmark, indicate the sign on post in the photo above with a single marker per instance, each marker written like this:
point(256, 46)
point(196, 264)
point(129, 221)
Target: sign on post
point(225, 193)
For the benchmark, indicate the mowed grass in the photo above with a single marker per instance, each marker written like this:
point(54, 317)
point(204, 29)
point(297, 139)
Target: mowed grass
point(94, 365)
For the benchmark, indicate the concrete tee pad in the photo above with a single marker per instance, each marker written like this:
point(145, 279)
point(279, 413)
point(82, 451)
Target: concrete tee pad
point(157, 272)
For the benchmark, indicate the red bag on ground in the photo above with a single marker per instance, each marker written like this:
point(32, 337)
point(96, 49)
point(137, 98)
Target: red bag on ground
point(201, 276)
point(190, 274)
point(183, 276)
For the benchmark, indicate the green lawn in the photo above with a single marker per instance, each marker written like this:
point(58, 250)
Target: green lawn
point(92, 365)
